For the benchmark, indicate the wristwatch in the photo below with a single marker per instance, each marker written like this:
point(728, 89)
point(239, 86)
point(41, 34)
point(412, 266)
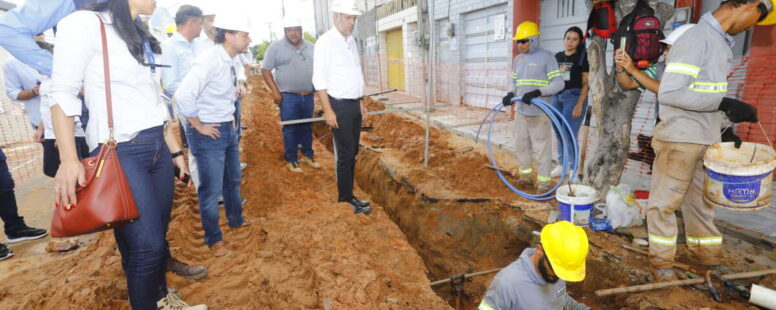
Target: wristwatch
point(176, 154)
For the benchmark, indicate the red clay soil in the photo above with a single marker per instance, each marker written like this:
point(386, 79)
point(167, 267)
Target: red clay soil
point(302, 251)
point(461, 218)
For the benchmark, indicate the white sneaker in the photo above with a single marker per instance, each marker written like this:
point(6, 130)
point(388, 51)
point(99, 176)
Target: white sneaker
point(243, 165)
point(173, 302)
point(556, 172)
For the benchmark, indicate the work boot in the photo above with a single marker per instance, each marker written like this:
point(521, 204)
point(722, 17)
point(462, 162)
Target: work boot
point(186, 271)
point(26, 233)
point(5, 252)
point(664, 275)
point(219, 249)
point(526, 180)
point(556, 172)
point(294, 167)
point(173, 302)
point(310, 162)
point(543, 187)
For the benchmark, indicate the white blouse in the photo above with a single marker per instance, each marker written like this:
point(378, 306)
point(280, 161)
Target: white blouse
point(78, 62)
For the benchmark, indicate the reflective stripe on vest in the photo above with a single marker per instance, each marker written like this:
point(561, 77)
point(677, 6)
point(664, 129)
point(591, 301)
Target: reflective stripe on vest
point(709, 87)
point(526, 170)
point(531, 82)
point(553, 74)
point(685, 69)
point(542, 178)
point(485, 306)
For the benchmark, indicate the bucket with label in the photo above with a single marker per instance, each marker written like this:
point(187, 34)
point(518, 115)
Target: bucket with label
point(739, 179)
point(575, 208)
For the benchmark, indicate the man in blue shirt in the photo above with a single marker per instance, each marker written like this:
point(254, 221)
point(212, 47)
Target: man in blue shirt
point(18, 26)
point(22, 84)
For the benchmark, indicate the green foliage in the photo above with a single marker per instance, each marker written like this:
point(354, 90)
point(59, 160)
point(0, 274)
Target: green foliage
point(309, 37)
point(258, 50)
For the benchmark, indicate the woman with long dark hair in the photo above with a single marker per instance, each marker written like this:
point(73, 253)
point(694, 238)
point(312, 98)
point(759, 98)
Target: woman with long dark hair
point(572, 100)
point(143, 140)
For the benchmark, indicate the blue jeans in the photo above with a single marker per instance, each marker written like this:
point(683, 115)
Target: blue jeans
point(147, 165)
point(296, 106)
point(9, 212)
point(565, 101)
point(218, 162)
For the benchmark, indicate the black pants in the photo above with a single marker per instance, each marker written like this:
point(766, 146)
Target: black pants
point(51, 154)
point(346, 139)
point(9, 213)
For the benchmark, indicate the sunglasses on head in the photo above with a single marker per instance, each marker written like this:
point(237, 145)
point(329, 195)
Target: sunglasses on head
point(763, 11)
point(523, 41)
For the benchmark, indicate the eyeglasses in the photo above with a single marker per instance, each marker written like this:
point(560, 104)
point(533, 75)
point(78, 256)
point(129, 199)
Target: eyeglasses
point(763, 11)
point(523, 41)
point(299, 52)
point(234, 76)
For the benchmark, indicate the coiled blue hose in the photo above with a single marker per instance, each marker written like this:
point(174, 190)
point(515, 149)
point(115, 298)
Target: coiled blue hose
point(568, 146)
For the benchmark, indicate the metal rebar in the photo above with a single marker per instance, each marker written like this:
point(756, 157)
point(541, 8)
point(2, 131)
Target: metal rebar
point(318, 119)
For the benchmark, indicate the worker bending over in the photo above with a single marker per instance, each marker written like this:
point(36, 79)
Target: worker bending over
point(535, 281)
point(692, 90)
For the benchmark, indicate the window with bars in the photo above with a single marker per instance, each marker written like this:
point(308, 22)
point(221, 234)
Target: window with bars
point(565, 8)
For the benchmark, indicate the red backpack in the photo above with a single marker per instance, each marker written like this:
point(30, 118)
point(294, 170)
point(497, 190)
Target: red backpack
point(602, 20)
point(642, 32)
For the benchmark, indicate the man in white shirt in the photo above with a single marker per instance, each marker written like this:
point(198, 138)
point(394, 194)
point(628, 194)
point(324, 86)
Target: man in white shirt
point(340, 86)
point(206, 98)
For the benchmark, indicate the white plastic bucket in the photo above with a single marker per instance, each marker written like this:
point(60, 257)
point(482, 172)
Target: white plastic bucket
point(739, 179)
point(576, 209)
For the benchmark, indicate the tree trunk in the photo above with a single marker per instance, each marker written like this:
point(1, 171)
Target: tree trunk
point(613, 107)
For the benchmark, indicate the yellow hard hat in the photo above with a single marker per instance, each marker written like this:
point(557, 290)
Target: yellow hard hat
point(769, 19)
point(526, 30)
point(565, 246)
point(170, 28)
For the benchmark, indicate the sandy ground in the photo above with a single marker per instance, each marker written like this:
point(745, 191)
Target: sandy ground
point(303, 250)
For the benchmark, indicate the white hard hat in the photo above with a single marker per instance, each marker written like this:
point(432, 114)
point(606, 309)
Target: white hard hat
point(345, 7)
point(291, 21)
point(678, 32)
point(207, 8)
point(232, 20)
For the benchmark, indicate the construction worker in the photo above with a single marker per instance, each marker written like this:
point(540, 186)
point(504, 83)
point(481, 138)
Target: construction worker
point(206, 98)
point(339, 84)
point(630, 77)
point(535, 281)
point(693, 88)
point(292, 60)
point(535, 75)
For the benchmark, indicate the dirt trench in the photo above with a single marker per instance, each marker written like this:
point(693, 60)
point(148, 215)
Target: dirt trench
point(461, 219)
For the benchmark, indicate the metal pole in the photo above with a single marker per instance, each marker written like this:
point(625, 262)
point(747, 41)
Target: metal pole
point(430, 87)
point(318, 119)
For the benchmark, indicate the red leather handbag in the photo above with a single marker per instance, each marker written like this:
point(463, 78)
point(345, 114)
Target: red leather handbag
point(106, 201)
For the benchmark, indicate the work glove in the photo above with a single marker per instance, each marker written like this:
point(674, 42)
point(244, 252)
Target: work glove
point(527, 97)
point(738, 111)
point(730, 136)
point(507, 101)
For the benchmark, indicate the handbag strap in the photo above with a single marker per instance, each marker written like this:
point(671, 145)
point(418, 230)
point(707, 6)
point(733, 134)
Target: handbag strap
point(106, 69)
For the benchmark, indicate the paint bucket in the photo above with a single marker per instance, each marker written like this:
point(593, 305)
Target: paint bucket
point(576, 209)
point(739, 179)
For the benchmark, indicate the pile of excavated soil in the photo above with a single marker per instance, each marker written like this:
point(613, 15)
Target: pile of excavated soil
point(302, 251)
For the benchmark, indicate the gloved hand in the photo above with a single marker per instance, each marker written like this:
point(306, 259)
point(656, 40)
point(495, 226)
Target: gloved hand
point(507, 101)
point(730, 136)
point(527, 97)
point(738, 111)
